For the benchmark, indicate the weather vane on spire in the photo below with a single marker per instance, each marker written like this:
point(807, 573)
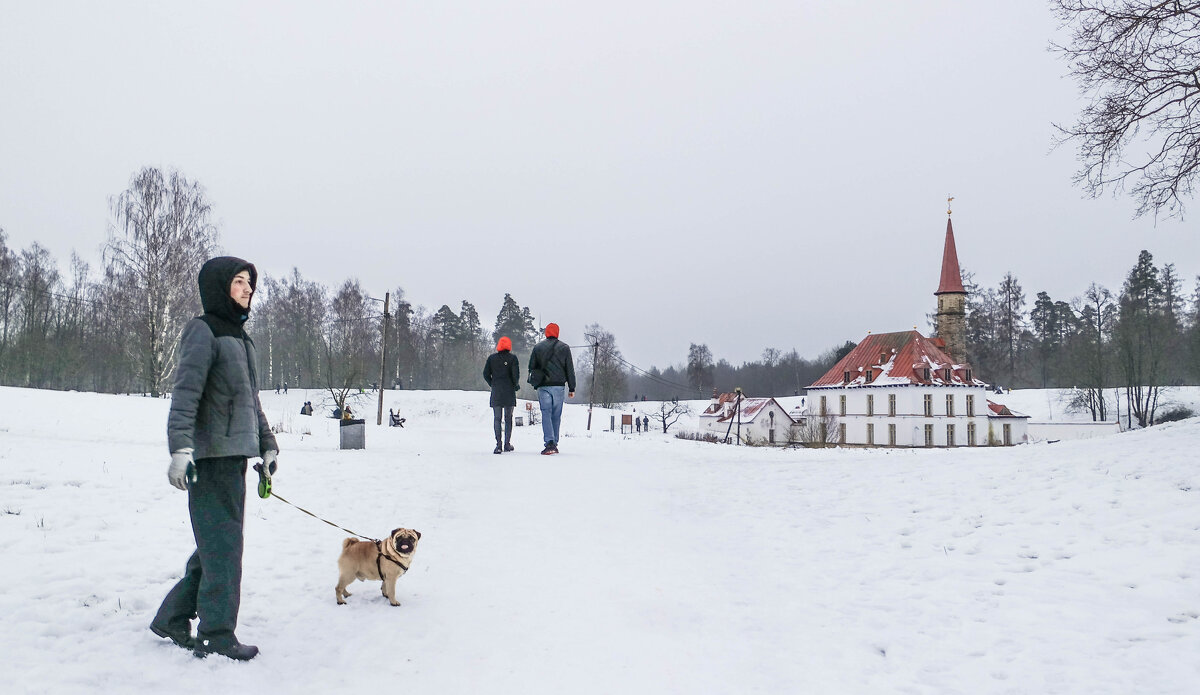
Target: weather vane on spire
point(949, 199)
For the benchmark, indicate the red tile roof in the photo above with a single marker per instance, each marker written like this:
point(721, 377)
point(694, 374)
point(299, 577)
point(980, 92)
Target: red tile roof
point(725, 408)
point(897, 358)
point(951, 275)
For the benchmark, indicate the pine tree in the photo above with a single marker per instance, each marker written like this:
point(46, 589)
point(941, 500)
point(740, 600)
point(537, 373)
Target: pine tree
point(1141, 336)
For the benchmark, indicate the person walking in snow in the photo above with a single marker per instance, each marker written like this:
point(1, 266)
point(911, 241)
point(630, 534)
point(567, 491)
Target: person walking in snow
point(502, 372)
point(552, 373)
point(215, 424)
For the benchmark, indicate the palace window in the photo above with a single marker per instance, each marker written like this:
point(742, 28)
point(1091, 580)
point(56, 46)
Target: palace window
point(871, 433)
point(970, 434)
point(970, 406)
point(870, 404)
point(950, 405)
point(892, 404)
point(842, 405)
point(949, 435)
point(928, 405)
point(891, 435)
point(928, 435)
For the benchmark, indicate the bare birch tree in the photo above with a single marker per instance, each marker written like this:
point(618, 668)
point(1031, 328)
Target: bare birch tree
point(159, 237)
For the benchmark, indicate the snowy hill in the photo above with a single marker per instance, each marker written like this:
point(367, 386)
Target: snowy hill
point(626, 564)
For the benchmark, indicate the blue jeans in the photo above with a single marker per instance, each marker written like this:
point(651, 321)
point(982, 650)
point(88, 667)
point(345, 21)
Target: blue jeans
point(551, 398)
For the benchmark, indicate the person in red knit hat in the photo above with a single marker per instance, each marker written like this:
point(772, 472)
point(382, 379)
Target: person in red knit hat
point(503, 373)
point(552, 373)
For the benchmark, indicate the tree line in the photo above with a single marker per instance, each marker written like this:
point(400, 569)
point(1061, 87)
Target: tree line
point(1140, 338)
point(116, 330)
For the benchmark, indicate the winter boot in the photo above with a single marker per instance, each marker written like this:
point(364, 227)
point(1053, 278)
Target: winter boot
point(497, 449)
point(508, 447)
point(181, 637)
point(236, 651)
point(550, 449)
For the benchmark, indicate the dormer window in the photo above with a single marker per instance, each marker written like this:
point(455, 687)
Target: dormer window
point(949, 374)
point(925, 374)
point(883, 358)
point(870, 375)
point(967, 376)
point(846, 377)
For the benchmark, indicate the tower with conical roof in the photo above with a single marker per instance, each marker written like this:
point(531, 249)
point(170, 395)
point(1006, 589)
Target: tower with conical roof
point(950, 321)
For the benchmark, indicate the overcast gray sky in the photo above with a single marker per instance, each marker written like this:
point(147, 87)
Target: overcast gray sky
point(741, 174)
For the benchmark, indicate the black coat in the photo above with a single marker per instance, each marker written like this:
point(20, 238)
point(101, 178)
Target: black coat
point(503, 373)
point(553, 358)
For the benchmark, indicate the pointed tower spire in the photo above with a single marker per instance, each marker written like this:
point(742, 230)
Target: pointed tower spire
point(950, 321)
point(951, 275)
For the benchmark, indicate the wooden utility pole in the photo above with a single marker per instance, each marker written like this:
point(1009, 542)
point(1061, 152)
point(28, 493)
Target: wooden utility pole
point(738, 410)
point(592, 390)
point(383, 356)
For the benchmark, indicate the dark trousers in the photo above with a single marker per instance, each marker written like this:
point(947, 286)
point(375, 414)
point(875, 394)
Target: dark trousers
point(505, 411)
point(211, 587)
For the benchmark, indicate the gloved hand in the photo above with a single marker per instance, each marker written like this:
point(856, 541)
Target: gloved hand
point(271, 460)
point(182, 471)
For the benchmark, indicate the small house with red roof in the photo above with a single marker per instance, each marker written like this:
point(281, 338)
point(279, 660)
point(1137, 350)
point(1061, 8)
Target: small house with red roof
point(755, 420)
point(904, 389)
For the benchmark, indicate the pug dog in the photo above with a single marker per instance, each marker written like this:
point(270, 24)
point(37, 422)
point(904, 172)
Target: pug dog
point(385, 560)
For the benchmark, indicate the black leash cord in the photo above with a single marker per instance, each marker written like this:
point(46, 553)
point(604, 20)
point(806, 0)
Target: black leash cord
point(276, 496)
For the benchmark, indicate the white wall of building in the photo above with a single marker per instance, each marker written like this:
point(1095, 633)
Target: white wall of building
point(869, 418)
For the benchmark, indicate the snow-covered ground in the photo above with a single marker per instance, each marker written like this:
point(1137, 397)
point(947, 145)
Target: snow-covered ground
point(1050, 405)
point(626, 564)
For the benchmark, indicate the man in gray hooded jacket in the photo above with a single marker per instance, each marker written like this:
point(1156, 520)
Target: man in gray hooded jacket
point(216, 422)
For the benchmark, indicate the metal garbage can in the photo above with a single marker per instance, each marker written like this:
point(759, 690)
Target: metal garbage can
point(353, 434)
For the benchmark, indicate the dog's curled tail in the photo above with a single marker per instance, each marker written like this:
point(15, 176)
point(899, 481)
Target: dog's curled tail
point(348, 542)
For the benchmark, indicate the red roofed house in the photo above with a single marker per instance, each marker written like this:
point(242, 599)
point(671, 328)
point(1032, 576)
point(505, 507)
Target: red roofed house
point(754, 419)
point(904, 389)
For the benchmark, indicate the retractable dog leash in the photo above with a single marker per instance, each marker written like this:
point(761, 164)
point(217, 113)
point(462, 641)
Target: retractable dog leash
point(264, 491)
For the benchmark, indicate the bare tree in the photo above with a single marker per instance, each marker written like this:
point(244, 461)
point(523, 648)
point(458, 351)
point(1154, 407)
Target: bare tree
point(1097, 313)
point(815, 429)
point(159, 237)
point(1137, 61)
point(700, 367)
point(604, 366)
point(669, 413)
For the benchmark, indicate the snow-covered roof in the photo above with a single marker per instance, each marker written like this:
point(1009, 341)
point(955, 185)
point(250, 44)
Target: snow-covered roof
point(1001, 410)
point(890, 359)
point(725, 407)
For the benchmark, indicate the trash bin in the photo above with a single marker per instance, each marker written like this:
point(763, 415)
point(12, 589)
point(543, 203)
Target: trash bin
point(353, 434)
point(520, 421)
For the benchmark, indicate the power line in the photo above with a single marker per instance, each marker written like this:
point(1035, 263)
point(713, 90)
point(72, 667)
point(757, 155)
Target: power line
point(638, 370)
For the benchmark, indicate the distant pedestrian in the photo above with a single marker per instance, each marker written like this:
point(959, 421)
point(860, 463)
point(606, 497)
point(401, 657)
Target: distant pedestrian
point(645, 423)
point(216, 422)
point(552, 372)
point(637, 424)
point(502, 372)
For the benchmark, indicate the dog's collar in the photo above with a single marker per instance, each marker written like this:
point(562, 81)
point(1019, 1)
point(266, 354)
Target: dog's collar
point(382, 555)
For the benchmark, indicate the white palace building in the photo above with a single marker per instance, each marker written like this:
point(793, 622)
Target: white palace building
point(904, 389)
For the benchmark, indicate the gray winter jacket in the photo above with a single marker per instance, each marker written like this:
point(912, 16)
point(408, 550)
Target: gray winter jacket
point(215, 408)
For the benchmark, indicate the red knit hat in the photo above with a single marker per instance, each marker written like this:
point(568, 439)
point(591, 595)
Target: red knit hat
point(503, 344)
point(552, 330)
